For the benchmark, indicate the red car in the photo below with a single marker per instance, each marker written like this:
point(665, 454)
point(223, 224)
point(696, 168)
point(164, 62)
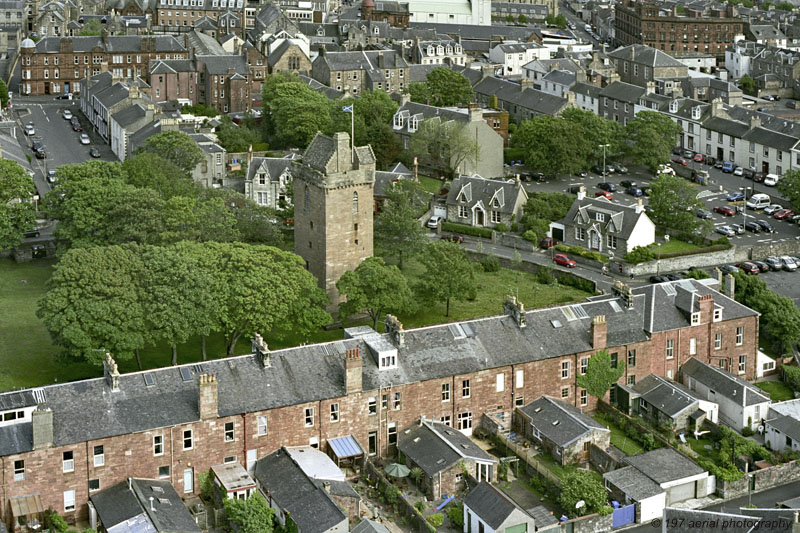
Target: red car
point(563, 260)
point(605, 194)
point(547, 242)
point(781, 214)
point(699, 158)
point(749, 268)
point(453, 238)
point(681, 161)
point(725, 210)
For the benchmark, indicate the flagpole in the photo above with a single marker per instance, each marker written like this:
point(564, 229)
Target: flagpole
point(353, 129)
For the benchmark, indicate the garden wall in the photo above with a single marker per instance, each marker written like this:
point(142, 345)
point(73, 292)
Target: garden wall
point(515, 241)
point(763, 479)
point(565, 277)
point(684, 262)
point(593, 523)
point(415, 520)
point(601, 459)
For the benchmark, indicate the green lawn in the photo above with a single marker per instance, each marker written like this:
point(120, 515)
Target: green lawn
point(555, 468)
point(778, 390)
point(699, 446)
point(431, 185)
point(619, 438)
point(675, 245)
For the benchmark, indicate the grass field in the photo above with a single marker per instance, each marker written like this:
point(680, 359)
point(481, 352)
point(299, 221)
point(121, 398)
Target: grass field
point(619, 438)
point(431, 185)
point(778, 390)
point(27, 357)
point(675, 245)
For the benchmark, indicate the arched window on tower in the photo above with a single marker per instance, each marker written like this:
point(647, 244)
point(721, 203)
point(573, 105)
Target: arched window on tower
point(355, 203)
point(306, 199)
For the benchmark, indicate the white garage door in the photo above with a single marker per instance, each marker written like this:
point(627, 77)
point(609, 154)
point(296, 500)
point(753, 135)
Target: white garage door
point(680, 493)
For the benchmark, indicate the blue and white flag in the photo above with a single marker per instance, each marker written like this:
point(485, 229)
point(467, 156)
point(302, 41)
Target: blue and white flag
point(347, 108)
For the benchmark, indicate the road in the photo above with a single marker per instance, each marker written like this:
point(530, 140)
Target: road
point(765, 499)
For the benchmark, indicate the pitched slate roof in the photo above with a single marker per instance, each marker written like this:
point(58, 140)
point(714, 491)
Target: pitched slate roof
point(560, 77)
point(663, 465)
point(274, 166)
point(724, 383)
point(539, 102)
point(309, 504)
point(111, 43)
point(221, 64)
point(472, 32)
point(436, 447)
point(560, 422)
point(622, 219)
point(369, 526)
point(786, 424)
point(498, 195)
point(667, 396)
point(624, 92)
point(112, 95)
point(633, 483)
point(129, 115)
point(645, 55)
point(329, 92)
point(492, 506)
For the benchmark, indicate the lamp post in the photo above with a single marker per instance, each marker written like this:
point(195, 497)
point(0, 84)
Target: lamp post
point(604, 146)
point(658, 259)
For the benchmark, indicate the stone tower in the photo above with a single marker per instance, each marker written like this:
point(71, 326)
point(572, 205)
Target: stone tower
point(333, 208)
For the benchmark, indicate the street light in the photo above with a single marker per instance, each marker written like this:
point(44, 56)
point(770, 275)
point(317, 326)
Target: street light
point(604, 146)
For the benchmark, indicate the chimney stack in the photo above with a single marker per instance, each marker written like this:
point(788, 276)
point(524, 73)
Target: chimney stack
point(515, 309)
point(475, 112)
point(394, 328)
point(639, 207)
point(581, 193)
point(261, 350)
point(42, 423)
point(111, 372)
point(352, 371)
point(718, 273)
point(599, 330)
point(730, 286)
point(208, 395)
point(706, 303)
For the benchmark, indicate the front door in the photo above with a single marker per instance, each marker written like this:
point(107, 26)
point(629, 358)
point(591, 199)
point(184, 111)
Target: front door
point(720, 154)
point(595, 241)
point(765, 167)
point(479, 218)
point(252, 455)
point(188, 480)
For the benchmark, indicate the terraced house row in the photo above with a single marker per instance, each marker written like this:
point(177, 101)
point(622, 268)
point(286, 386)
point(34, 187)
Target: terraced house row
point(175, 423)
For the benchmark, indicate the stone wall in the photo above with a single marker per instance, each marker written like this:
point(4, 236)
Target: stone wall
point(593, 523)
point(602, 460)
point(763, 479)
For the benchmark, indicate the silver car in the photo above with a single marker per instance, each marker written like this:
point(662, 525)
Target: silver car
point(788, 263)
point(726, 230)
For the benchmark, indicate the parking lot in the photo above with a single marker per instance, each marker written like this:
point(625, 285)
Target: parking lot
point(62, 144)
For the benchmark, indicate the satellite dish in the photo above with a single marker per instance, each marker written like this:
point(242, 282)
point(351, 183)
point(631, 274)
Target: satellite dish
point(761, 428)
point(580, 504)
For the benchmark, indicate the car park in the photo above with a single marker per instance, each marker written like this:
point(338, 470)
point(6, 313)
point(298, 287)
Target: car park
point(607, 186)
point(67, 114)
point(738, 171)
point(774, 263)
point(762, 266)
point(783, 214)
point(29, 129)
point(725, 210)
point(735, 197)
point(604, 194)
point(433, 222)
point(772, 209)
point(729, 269)
point(766, 226)
point(727, 167)
point(758, 201)
point(627, 184)
point(563, 260)
point(788, 263)
point(727, 231)
point(455, 237)
point(738, 228)
point(703, 213)
point(752, 226)
point(749, 268)
point(634, 191)
point(699, 158)
point(94, 152)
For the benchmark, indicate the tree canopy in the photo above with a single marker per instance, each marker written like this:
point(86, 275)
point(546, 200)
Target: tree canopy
point(780, 318)
point(397, 230)
point(293, 111)
point(17, 211)
point(444, 145)
point(580, 485)
point(177, 147)
point(748, 85)
point(651, 137)
point(553, 145)
point(376, 288)
point(789, 187)
point(253, 515)
point(235, 138)
point(673, 201)
point(601, 374)
point(152, 171)
point(448, 275)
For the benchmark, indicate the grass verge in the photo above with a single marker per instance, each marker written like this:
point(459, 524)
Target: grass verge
point(778, 390)
point(619, 439)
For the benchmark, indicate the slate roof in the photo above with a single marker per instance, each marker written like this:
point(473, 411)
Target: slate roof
point(363, 60)
point(724, 383)
point(787, 425)
point(384, 180)
point(645, 55)
point(204, 44)
point(663, 465)
point(490, 505)
point(473, 32)
point(560, 77)
point(539, 102)
point(17, 400)
point(112, 95)
point(369, 526)
point(560, 422)
point(517, 48)
point(124, 502)
point(624, 92)
point(223, 63)
point(112, 43)
point(476, 190)
point(275, 166)
point(418, 72)
point(633, 483)
point(138, 139)
point(592, 91)
point(329, 92)
point(129, 115)
point(622, 218)
point(667, 396)
point(436, 447)
point(171, 66)
point(424, 111)
point(309, 504)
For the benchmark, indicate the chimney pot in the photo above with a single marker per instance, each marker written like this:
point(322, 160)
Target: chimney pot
point(111, 372)
point(515, 309)
point(353, 371)
point(394, 328)
point(581, 192)
point(599, 332)
point(208, 395)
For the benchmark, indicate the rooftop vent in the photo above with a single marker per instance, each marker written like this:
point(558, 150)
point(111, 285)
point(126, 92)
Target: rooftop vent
point(615, 306)
point(556, 323)
point(186, 374)
point(149, 380)
point(556, 422)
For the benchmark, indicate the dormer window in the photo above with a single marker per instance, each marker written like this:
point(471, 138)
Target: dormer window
point(717, 314)
point(398, 120)
point(376, 30)
point(695, 319)
point(600, 217)
point(412, 124)
point(440, 50)
point(458, 48)
point(430, 51)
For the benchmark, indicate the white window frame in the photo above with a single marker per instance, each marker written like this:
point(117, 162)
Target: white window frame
point(692, 346)
point(445, 392)
point(670, 348)
point(742, 364)
point(190, 438)
point(584, 365)
point(158, 444)
point(584, 397)
point(262, 423)
point(19, 472)
point(335, 412)
point(500, 383)
point(739, 335)
point(69, 500)
point(564, 369)
point(99, 459)
point(718, 341)
point(230, 434)
point(68, 465)
point(520, 379)
point(309, 417)
point(465, 388)
point(465, 420)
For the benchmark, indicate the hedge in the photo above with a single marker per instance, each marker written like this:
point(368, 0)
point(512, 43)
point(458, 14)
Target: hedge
point(707, 249)
point(486, 233)
point(581, 252)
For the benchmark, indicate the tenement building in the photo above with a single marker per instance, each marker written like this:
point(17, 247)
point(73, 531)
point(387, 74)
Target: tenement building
point(707, 30)
point(175, 423)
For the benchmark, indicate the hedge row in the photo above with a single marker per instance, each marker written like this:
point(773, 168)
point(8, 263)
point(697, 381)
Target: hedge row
point(486, 233)
point(707, 249)
point(582, 252)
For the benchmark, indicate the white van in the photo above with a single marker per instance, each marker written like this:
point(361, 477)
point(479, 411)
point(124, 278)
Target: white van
point(771, 180)
point(758, 201)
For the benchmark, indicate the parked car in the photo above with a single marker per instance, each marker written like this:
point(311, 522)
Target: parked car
point(766, 226)
point(749, 268)
point(627, 184)
point(771, 180)
point(719, 164)
point(76, 126)
point(634, 191)
point(51, 176)
point(795, 219)
point(788, 263)
point(738, 171)
point(433, 222)
point(711, 161)
point(597, 169)
point(681, 161)
point(735, 197)
point(581, 173)
point(36, 146)
point(607, 186)
point(752, 226)
point(699, 158)
point(85, 139)
point(738, 228)
point(677, 150)
point(67, 114)
point(725, 210)
point(783, 214)
point(673, 276)
point(29, 129)
point(728, 167)
point(547, 242)
point(563, 260)
point(762, 109)
point(94, 152)
point(688, 154)
point(759, 177)
point(774, 263)
point(762, 266)
point(703, 213)
point(605, 194)
point(455, 237)
point(31, 233)
point(749, 173)
point(725, 230)
point(772, 209)
point(41, 153)
point(729, 269)
point(665, 169)
point(619, 168)
point(574, 189)
point(658, 279)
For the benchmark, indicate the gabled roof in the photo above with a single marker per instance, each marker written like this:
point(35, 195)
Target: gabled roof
point(633, 483)
point(724, 383)
point(560, 77)
point(539, 102)
point(669, 397)
point(436, 447)
point(496, 195)
point(617, 218)
point(272, 166)
point(112, 43)
point(645, 55)
point(369, 526)
point(664, 465)
point(129, 115)
point(624, 92)
point(490, 504)
point(560, 422)
point(788, 425)
point(310, 506)
point(222, 64)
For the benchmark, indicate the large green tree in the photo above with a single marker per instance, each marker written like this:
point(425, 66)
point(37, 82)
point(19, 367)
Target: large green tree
point(253, 515)
point(748, 85)
point(597, 131)
point(376, 288)
point(651, 137)
point(398, 232)
point(601, 374)
point(780, 318)
point(673, 202)
point(3, 93)
point(151, 170)
point(235, 138)
point(177, 147)
point(294, 112)
point(789, 187)
point(582, 485)
point(198, 220)
point(554, 145)
point(448, 275)
point(17, 210)
point(92, 303)
point(444, 145)
point(449, 88)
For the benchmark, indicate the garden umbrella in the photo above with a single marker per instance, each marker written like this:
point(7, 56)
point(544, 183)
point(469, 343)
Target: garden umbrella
point(397, 470)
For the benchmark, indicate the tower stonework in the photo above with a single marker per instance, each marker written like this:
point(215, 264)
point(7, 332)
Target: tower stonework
point(333, 199)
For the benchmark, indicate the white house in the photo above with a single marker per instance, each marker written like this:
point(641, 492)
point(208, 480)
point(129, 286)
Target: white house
point(470, 12)
point(782, 427)
point(513, 56)
point(680, 477)
point(740, 403)
point(628, 485)
point(488, 510)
